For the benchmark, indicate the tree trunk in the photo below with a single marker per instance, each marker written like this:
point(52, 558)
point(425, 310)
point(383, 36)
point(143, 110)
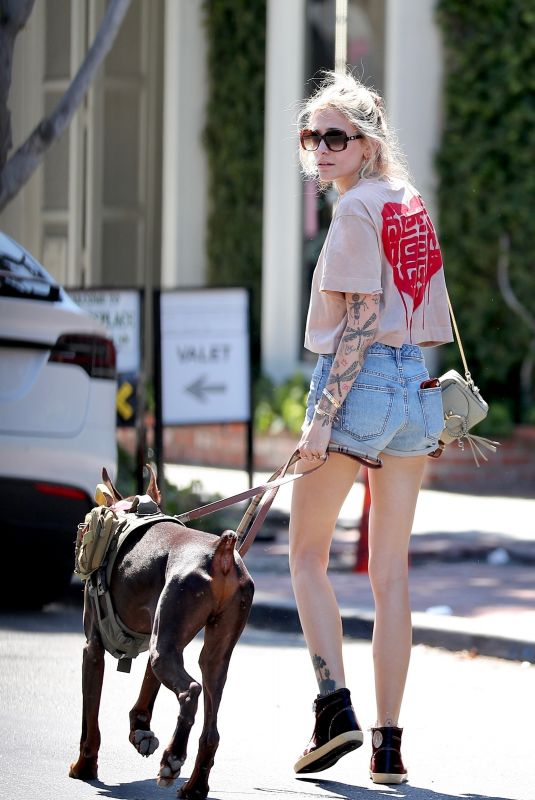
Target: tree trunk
point(27, 158)
point(13, 17)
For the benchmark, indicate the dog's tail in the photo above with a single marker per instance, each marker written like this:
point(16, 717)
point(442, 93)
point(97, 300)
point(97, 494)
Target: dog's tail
point(224, 552)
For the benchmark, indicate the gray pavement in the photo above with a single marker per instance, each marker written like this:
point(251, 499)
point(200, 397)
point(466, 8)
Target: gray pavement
point(472, 574)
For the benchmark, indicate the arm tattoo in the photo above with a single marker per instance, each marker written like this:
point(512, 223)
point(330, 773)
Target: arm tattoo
point(361, 334)
point(361, 331)
point(357, 303)
point(323, 675)
point(348, 374)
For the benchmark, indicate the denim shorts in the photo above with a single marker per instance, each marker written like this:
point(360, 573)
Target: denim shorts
point(386, 410)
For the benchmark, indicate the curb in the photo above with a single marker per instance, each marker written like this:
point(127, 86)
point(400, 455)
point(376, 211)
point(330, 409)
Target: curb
point(450, 633)
point(456, 634)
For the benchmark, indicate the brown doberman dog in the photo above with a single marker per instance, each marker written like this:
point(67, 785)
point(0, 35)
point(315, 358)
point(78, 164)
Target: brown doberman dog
point(170, 582)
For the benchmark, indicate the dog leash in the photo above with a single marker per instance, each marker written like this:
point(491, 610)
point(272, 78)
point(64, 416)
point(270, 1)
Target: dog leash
point(262, 499)
point(260, 504)
point(257, 510)
point(263, 496)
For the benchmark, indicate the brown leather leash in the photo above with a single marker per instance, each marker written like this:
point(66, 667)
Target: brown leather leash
point(257, 510)
point(262, 498)
point(255, 514)
point(260, 505)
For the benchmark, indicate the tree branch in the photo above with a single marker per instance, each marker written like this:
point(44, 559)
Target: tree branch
point(27, 158)
point(504, 285)
point(512, 301)
point(13, 17)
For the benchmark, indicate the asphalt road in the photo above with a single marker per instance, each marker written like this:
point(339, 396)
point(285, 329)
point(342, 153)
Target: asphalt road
point(467, 722)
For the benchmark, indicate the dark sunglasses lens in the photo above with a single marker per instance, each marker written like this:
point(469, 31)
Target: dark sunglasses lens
point(310, 140)
point(335, 140)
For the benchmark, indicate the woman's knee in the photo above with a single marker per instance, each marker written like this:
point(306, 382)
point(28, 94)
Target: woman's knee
point(388, 579)
point(307, 562)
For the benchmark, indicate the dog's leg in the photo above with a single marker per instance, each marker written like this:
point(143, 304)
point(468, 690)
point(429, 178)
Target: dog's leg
point(86, 768)
point(182, 610)
point(221, 635)
point(175, 753)
point(141, 735)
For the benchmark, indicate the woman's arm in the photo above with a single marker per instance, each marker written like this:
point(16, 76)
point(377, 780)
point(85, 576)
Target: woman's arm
point(359, 334)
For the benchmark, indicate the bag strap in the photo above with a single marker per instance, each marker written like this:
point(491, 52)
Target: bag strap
point(468, 376)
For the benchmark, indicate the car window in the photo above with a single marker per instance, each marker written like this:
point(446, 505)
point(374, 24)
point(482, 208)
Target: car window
point(21, 276)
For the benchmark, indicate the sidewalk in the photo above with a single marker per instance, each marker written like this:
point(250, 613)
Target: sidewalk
point(472, 574)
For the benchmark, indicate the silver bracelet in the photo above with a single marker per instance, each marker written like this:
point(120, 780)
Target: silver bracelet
point(322, 413)
point(331, 398)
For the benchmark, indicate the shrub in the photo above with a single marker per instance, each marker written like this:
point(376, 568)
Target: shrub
point(281, 407)
point(487, 185)
point(234, 142)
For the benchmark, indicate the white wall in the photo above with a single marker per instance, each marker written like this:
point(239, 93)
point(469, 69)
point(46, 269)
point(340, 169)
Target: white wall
point(413, 70)
point(184, 200)
point(282, 237)
point(413, 77)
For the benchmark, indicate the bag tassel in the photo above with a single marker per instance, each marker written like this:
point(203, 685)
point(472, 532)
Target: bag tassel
point(476, 443)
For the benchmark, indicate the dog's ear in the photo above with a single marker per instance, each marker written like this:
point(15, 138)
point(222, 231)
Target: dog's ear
point(153, 490)
point(107, 480)
point(103, 496)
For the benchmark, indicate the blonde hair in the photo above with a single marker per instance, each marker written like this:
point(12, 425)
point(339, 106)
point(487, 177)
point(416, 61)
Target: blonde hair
point(365, 110)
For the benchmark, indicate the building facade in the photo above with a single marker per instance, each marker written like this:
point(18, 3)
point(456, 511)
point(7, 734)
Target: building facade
point(121, 199)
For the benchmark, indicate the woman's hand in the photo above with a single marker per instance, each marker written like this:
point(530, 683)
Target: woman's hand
point(315, 438)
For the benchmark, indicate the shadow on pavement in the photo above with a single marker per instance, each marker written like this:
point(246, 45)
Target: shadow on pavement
point(148, 790)
point(406, 791)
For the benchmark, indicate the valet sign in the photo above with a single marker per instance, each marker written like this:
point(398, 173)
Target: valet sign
point(204, 353)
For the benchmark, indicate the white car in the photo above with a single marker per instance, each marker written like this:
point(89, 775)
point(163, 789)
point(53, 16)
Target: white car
point(57, 425)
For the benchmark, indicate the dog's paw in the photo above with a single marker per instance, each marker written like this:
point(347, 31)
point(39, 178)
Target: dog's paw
point(145, 742)
point(193, 790)
point(85, 769)
point(169, 771)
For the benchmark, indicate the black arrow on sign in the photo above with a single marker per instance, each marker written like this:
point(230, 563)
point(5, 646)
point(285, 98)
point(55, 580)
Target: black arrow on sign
point(199, 388)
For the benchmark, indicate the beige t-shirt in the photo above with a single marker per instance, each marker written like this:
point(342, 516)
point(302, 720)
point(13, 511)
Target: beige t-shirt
point(381, 239)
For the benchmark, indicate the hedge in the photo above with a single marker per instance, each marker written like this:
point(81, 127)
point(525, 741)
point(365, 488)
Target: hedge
point(234, 141)
point(487, 187)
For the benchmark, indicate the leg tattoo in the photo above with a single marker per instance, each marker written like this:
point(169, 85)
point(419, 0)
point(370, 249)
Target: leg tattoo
point(323, 675)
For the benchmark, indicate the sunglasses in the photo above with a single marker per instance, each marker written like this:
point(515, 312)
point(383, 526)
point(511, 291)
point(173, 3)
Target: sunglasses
point(335, 140)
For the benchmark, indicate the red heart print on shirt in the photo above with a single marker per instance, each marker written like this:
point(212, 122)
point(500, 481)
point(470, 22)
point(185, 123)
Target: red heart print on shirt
point(411, 248)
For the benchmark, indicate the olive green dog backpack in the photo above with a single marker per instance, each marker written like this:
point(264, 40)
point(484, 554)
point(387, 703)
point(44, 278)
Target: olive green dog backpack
point(93, 540)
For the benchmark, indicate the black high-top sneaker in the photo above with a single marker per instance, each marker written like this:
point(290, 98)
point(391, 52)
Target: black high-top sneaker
point(336, 732)
point(386, 765)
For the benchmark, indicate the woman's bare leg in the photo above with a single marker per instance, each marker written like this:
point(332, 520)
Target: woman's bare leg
point(394, 492)
point(316, 503)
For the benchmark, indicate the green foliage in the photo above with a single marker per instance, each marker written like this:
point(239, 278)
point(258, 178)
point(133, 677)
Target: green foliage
point(282, 407)
point(234, 141)
point(487, 183)
point(499, 421)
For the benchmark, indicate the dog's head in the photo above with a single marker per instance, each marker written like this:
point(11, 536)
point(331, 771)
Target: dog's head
point(106, 493)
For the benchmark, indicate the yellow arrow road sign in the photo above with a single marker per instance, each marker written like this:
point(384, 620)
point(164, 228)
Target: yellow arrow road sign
point(124, 407)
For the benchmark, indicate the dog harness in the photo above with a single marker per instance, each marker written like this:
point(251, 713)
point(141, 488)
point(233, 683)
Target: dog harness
point(118, 639)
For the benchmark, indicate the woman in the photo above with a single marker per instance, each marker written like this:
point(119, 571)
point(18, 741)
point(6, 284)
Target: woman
point(378, 294)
